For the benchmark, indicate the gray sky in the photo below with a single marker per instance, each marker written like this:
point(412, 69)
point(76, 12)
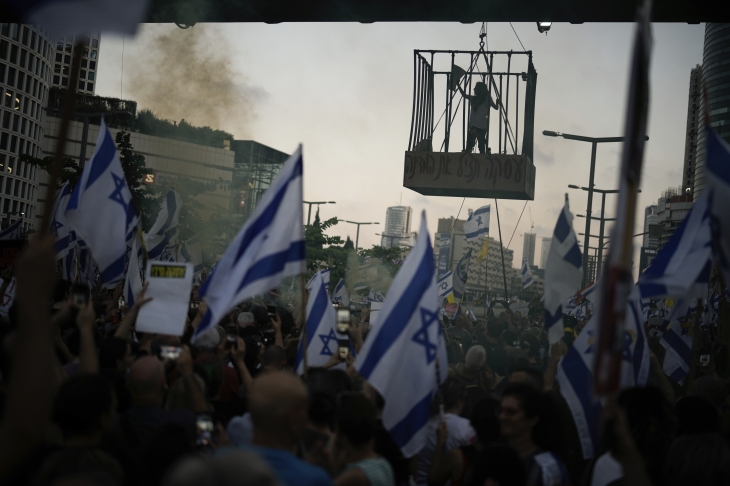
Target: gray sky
point(345, 92)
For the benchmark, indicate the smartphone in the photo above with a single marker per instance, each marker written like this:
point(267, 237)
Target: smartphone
point(170, 352)
point(205, 429)
point(343, 320)
point(121, 302)
point(705, 360)
point(231, 335)
point(344, 348)
point(271, 309)
point(80, 295)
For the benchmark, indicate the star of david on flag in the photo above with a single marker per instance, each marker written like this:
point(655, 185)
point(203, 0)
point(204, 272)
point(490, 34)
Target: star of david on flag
point(478, 223)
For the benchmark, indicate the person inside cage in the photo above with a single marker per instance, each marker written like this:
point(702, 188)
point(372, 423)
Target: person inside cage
point(481, 102)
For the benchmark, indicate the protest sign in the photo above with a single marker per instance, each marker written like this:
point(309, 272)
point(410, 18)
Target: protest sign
point(169, 285)
point(374, 311)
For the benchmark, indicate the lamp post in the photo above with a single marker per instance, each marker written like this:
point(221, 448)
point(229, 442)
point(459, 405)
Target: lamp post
point(603, 219)
point(357, 238)
point(594, 141)
point(309, 215)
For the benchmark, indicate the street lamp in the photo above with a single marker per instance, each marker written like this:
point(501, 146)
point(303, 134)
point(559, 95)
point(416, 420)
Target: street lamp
point(357, 238)
point(594, 141)
point(309, 215)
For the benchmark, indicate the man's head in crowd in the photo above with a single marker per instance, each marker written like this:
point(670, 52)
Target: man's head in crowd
point(278, 406)
point(245, 319)
point(275, 358)
point(146, 381)
point(520, 411)
point(356, 422)
point(494, 329)
point(85, 408)
point(475, 358)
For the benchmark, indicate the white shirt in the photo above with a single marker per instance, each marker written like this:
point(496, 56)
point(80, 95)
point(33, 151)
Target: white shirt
point(606, 470)
point(461, 433)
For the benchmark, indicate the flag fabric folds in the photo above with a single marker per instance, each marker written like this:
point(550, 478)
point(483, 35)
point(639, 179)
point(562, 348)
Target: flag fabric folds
point(269, 247)
point(563, 273)
point(101, 210)
point(374, 296)
point(718, 182)
point(682, 267)
point(322, 336)
point(340, 295)
point(477, 224)
point(133, 279)
point(676, 339)
point(461, 275)
point(525, 274)
point(190, 251)
point(12, 232)
point(60, 228)
point(325, 274)
point(576, 368)
point(408, 325)
point(163, 235)
point(445, 285)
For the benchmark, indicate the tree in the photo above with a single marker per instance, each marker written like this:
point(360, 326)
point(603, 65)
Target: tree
point(325, 251)
point(391, 258)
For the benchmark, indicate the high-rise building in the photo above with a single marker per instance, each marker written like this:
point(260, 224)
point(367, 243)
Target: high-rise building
point(25, 68)
point(716, 81)
point(650, 217)
point(690, 137)
point(397, 231)
point(63, 55)
point(528, 248)
point(545, 251)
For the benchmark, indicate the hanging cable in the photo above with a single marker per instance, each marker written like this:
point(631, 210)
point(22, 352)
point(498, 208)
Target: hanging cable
point(518, 37)
point(518, 223)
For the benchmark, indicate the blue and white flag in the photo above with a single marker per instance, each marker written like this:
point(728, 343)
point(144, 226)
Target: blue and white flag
point(12, 232)
point(718, 182)
point(590, 293)
point(563, 273)
point(408, 325)
point(445, 285)
point(160, 240)
point(101, 210)
point(682, 268)
point(133, 278)
point(477, 224)
point(60, 229)
point(575, 372)
point(461, 275)
point(322, 336)
point(191, 252)
point(676, 338)
point(525, 274)
point(471, 315)
point(66, 18)
point(325, 274)
point(269, 247)
point(374, 296)
point(340, 295)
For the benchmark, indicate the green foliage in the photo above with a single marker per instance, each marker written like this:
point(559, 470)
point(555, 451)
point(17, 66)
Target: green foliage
point(133, 164)
point(391, 258)
point(148, 123)
point(325, 251)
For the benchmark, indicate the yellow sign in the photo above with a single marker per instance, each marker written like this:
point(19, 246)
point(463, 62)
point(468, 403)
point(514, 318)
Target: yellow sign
point(166, 271)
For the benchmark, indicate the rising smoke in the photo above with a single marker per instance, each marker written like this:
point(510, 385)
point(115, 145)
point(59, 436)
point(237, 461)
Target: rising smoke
point(188, 73)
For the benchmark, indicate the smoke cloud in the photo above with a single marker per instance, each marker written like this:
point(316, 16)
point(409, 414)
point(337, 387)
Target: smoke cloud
point(187, 73)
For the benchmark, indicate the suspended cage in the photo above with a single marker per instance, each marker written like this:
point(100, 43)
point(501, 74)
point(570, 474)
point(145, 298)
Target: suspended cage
point(472, 125)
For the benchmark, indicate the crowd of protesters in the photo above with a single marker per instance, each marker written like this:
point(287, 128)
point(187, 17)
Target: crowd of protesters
point(87, 400)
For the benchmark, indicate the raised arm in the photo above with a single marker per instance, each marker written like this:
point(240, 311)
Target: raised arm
point(123, 331)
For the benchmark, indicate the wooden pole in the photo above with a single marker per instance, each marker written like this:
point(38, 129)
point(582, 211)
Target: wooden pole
point(68, 104)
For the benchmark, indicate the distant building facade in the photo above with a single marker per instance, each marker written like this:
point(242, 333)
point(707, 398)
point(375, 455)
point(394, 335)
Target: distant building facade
point(63, 57)
point(691, 132)
point(528, 248)
point(25, 69)
point(256, 166)
point(397, 231)
point(545, 251)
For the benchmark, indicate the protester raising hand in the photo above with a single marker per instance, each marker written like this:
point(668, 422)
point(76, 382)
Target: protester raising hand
point(238, 358)
point(123, 331)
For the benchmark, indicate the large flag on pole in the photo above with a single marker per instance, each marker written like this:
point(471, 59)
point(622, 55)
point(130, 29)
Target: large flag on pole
point(445, 285)
point(12, 232)
point(60, 228)
point(269, 247)
point(101, 210)
point(563, 273)
point(618, 278)
point(525, 274)
point(163, 234)
point(477, 224)
point(718, 182)
point(322, 336)
point(576, 368)
point(408, 325)
point(682, 268)
point(484, 250)
point(461, 275)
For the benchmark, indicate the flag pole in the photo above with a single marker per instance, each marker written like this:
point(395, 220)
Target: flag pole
point(68, 105)
point(303, 320)
point(501, 248)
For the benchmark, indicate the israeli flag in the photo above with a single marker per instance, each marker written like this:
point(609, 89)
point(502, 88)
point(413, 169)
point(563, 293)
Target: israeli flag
point(322, 336)
point(445, 285)
point(525, 274)
point(101, 210)
point(563, 273)
point(135, 270)
point(575, 372)
point(374, 296)
point(682, 267)
point(12, 232)
point(190, 251)
point(718, 182)
point(676, 339)
point(66, 18)
point(163, 234)
point(325, 274)
point(590, 293)
point(269, 247)
point(60, 229)
point(471, 315)
point(477, 224)
point(408, 325)
point(340, 295)
point(461, 275)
